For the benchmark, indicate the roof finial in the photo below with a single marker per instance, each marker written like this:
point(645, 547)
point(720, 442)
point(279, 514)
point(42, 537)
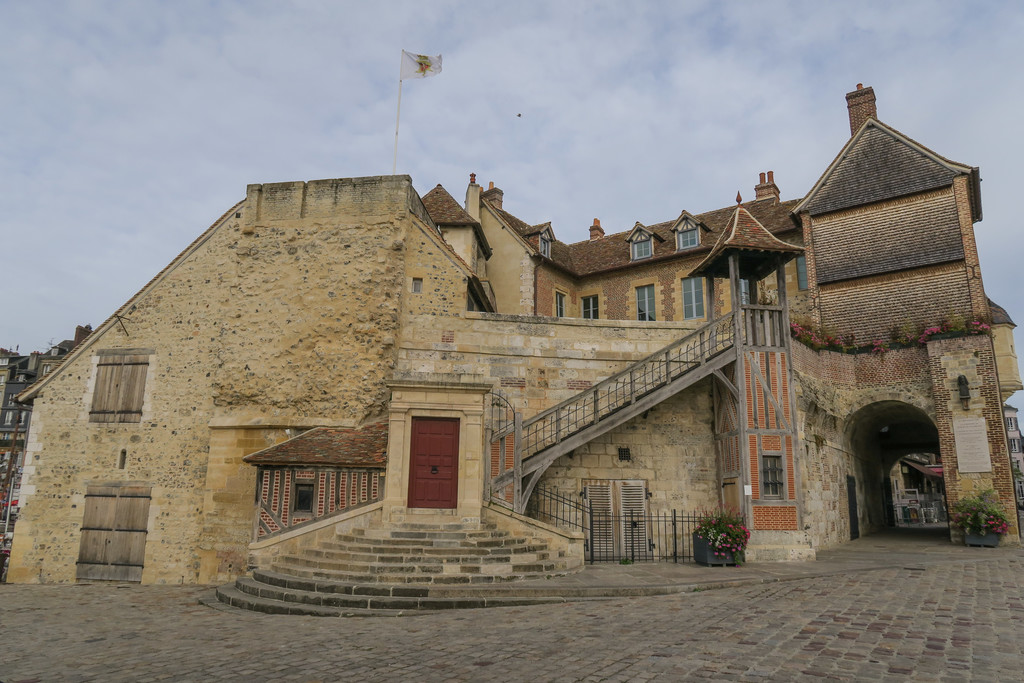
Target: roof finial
point(739, 199)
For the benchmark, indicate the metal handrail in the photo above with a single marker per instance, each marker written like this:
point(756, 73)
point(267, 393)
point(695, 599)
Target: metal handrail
point(586, 408)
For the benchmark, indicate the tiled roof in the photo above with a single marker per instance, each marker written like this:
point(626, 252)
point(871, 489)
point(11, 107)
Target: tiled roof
point(612, 251)
point(879, 163)
point(359, 447)
point(444, 210)
point(516, 224)
point(861, 244)
point(745, 233)
point(999, 314)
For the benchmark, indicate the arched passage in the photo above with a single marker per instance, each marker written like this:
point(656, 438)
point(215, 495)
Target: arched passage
point(879, 435)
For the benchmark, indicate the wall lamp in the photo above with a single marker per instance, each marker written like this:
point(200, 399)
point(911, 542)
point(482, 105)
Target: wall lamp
point(964, 390)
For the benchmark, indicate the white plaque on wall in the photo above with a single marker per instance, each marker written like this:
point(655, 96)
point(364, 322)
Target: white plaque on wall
point(971, 437)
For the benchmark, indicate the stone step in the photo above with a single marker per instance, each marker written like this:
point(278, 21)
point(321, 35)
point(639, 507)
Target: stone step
point(428, 564)
point(424, 575)
point(429, 534)
point(264, 597)
point(377, 554)
point(362, 546)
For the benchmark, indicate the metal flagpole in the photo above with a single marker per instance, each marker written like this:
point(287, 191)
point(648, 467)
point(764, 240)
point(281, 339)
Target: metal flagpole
point(398, 115)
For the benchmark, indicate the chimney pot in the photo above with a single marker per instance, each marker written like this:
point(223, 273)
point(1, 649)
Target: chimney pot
point(472, 178)
point(490, 185)
point(766, 189)
point(596, 231)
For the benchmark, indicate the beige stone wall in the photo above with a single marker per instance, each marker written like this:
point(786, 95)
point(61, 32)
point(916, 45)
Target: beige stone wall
point(671, 448)
point(537, 362)
point(284, 316)
point(1006, 360)
point(510, 268)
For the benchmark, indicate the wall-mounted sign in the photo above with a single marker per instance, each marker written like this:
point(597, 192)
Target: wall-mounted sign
point(971, 437)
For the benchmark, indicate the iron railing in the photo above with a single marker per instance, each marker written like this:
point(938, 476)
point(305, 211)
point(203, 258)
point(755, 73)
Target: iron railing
point(631, 537)
point(588, 408)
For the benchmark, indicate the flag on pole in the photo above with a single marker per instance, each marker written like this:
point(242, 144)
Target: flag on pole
point(419, 66)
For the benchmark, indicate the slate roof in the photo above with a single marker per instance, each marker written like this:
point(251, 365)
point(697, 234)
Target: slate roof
point(444, 210)
point(336, 447)
point(879, 163)
point(999, 314)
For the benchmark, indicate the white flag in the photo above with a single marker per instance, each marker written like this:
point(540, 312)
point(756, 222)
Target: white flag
point(419, 66)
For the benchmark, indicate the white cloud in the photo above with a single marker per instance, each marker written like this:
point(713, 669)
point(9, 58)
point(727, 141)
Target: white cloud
point(129, 127)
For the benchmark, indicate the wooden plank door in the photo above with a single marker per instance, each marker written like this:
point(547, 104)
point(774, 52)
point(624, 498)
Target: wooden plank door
point(114, 528)
point(434, 463)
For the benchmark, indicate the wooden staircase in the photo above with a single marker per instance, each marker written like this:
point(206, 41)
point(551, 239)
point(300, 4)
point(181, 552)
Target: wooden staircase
point(543, 438)
point(406, 567)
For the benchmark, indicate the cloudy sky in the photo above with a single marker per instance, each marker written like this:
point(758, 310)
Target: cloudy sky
point(129, 127)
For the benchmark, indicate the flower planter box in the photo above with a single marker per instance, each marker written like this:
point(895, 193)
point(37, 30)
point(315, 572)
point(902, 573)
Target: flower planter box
point(703, 554)
point(981, 540)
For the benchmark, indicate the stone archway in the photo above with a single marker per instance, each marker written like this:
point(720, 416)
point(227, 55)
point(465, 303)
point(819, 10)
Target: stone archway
point(879, 435)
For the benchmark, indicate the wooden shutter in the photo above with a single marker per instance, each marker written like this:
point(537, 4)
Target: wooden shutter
point(114, 528)
point(633, 508)
point(120, 387)
point(602, 535)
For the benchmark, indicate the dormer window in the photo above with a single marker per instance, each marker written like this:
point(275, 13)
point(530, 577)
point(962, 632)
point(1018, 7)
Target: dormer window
point(545, 244)
point(642, 249)
point(687, 231)
point(687, 238)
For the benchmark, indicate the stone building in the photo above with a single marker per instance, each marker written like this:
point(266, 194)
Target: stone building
point(346, 355)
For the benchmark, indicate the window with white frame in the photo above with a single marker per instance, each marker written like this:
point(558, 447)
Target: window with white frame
point(1011, 424)
point(642, 247)
point(645, 302)
point(693, 298)
point(545, 246)
point(559, 305)
point(590, 310)
point(687, 237)
point(1015, 445)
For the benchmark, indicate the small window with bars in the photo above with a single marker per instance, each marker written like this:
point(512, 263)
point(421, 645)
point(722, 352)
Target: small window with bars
point(771, 476)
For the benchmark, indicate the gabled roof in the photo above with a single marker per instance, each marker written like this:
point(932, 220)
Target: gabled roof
point(642, 230)
point(337, 447)
point(880, 163)
point(444, 210)
point(591, 257)
point(32, 391)
point(745, 234)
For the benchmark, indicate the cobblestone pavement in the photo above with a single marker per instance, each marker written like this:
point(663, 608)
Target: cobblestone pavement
point(953, 621)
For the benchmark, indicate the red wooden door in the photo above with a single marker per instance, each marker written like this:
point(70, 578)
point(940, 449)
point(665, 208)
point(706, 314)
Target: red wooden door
point(434, 463)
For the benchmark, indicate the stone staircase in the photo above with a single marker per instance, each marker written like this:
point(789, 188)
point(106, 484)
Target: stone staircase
point(407, 567)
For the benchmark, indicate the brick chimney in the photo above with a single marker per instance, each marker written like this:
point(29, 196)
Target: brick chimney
point(766, 189)
point(473, 198)
point(493, 195)
point(861, 103)
point(596, 231)
point(81, 332)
